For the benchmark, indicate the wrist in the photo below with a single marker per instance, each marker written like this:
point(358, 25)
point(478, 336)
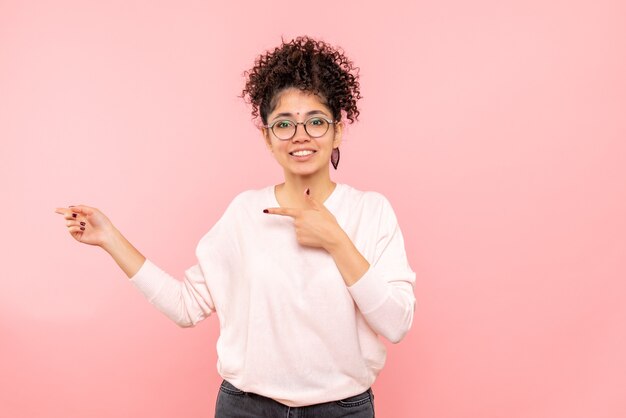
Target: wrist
point(112, 240)
point(337, 241)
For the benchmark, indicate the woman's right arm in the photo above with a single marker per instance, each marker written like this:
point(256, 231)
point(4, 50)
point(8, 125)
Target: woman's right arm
point(125, 255)
point(185, 302)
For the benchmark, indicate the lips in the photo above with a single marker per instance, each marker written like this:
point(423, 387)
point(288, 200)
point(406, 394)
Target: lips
point(304, 149)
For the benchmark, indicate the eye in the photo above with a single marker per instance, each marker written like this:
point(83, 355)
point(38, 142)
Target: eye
point(283, 124)
point(316, 121)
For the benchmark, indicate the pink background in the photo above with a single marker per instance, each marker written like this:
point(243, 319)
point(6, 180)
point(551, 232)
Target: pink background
point(495, 128)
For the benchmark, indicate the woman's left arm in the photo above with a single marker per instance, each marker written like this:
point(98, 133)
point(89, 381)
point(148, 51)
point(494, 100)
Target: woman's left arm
point(383, 291)
point(350, 262)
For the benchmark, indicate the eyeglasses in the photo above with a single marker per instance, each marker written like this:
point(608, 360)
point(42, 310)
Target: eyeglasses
point(285, 129)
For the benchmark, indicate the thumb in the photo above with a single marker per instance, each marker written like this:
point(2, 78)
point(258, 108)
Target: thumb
point(309, 198)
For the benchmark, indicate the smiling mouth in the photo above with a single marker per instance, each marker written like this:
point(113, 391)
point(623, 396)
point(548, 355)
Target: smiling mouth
point(310, 152)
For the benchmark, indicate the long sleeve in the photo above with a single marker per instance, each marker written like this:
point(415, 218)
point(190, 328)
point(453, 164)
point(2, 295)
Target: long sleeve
point(384, 294)
point(185, 302)
point(189, 301)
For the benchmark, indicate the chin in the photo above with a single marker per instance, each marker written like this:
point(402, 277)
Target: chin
point(302, 171)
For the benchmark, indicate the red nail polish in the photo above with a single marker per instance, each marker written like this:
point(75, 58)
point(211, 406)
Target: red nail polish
point(307, 191)
point(266, 211)
point(74, 215)
point(82, 223)
point(82, 228)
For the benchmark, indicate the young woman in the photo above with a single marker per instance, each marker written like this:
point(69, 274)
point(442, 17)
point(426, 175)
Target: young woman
point(304, 276)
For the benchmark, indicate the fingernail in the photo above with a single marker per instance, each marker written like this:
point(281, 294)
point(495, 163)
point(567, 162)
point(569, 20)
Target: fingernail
point(70, 206)
point(82, 228)
point(307, 190)
point(82, 223)
point(266, 211)
point(74, 215)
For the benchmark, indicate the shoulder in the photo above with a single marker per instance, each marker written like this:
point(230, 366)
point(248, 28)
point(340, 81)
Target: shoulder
point(234, 219)
point(369, 199)
point(370, 205)
point(248, 198)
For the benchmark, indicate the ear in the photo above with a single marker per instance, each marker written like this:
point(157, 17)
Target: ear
point(266, 137)
point(338, 134)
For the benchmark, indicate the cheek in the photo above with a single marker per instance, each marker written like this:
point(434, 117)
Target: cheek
point(281, 151)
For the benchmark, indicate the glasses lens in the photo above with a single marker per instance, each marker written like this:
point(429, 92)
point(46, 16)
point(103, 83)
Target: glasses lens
point(284, 129)
point(316, 127)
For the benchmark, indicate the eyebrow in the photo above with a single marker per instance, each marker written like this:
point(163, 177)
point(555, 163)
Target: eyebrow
point(312, 112)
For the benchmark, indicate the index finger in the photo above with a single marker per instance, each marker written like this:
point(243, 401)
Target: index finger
point(63, 211)
point(67, 212)
point(282, 211)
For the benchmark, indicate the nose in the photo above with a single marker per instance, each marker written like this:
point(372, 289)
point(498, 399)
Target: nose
point(301, 133)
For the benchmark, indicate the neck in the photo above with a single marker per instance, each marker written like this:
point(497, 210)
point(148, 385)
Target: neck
point(292, 190)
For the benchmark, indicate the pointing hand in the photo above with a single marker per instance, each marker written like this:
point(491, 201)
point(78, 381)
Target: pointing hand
point(315, 225)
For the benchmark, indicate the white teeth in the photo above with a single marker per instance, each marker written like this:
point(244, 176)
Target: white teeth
point(302, 153)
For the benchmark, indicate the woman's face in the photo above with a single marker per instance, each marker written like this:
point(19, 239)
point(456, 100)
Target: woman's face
point(299, 106)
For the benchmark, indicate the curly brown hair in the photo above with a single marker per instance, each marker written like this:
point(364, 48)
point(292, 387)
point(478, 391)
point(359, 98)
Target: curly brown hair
point(310, 65)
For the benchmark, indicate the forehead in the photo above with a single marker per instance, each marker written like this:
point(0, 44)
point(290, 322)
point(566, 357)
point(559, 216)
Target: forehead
point(295, 101)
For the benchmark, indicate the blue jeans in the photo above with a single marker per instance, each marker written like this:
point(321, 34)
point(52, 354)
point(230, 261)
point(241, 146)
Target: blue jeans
point(235, 403)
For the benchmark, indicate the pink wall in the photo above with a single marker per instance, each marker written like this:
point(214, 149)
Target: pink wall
point(495, 128)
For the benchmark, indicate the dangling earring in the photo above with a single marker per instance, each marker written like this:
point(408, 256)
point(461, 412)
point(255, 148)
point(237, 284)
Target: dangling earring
point(334, 157)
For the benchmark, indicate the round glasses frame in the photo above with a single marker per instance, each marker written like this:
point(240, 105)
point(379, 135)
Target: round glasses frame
point(330, 122)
